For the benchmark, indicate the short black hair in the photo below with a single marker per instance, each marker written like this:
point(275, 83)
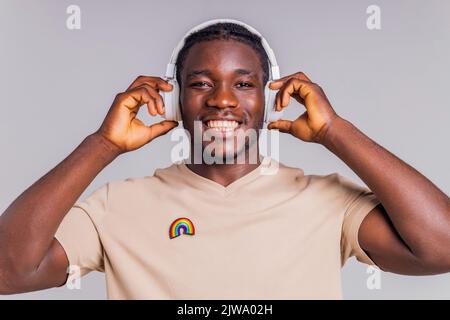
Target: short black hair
point(224, 31)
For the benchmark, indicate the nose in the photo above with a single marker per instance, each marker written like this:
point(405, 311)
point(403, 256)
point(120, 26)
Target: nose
point(222, 97)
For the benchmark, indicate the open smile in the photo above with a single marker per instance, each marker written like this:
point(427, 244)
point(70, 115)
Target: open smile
point(225, 126)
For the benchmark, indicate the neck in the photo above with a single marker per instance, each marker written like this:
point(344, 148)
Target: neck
point(224, 174)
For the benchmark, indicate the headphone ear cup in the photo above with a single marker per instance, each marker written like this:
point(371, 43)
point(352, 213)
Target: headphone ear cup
point(269, 109)
point(171, 102)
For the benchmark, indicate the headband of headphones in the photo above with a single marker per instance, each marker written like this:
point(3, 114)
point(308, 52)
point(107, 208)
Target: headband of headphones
point(171, 66)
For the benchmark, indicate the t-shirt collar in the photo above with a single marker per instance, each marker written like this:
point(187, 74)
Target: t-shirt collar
point(208, 184)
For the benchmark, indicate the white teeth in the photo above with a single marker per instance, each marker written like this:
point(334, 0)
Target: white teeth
point(222, 125)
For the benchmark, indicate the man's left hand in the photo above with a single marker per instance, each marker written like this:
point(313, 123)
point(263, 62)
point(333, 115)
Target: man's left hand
point(313, 124)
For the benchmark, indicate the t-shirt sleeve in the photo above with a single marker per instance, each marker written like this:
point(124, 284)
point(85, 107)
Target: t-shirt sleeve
point(360, 201)
point(78, 234)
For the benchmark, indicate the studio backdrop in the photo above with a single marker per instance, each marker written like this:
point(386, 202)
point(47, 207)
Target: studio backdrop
point(383, 64)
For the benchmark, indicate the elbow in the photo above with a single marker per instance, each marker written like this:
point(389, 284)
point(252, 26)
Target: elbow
point(8, 283)
point(431, 251)
point(436, 263)
point(11, 282)
point(5, 286)
point(441, 266)
point(5, 290)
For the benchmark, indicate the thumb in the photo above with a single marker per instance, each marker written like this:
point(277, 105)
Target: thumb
point(282, 125)
point(160, 128)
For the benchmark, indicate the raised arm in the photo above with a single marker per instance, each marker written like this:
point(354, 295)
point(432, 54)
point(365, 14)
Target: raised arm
point(409, 233)
point(30, 257)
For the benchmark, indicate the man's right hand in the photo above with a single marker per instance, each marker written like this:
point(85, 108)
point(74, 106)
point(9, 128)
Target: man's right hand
point(34, 259)
point(122, 128)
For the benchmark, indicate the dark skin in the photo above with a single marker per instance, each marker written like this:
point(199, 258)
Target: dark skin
point(407, 234)
point(222, 80)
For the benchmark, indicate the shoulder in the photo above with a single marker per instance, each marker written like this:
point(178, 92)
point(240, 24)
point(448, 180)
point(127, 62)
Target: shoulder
point(136, 183)
point(287, 172)
point(334, 186)
point(331, 184)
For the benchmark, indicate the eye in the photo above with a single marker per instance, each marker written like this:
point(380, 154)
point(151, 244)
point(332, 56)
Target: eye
point(200, 84)
point(244, 84)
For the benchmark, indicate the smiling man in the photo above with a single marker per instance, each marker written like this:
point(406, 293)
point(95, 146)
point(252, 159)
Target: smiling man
point(236, 74)
point(211, 231)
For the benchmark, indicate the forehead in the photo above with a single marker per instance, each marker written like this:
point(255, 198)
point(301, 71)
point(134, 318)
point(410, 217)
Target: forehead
point(222, 56)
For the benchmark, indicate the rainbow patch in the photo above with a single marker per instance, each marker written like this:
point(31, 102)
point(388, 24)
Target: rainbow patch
point(181, 224)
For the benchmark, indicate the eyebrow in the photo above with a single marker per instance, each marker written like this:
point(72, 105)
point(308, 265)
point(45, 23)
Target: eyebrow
point(207, 72)
point(194, 73)
point(244, 71)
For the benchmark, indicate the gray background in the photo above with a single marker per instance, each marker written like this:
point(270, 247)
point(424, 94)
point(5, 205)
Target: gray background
point(56, 86)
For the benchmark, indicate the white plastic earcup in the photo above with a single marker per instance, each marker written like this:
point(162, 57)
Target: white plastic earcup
point(270, 114)
point(171, 102)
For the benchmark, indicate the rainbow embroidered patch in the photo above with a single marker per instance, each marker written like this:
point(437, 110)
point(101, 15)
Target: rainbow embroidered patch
point(181, 224)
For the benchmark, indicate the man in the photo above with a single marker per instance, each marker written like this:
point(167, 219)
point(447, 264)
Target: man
point(196, 230)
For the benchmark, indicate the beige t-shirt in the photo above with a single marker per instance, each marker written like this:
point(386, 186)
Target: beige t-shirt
point(279, 236)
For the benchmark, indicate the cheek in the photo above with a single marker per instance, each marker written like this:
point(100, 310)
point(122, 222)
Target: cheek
point(253, 104)
point(191, 104)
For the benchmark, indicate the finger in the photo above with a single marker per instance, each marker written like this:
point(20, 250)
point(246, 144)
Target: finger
point(278, 104)
point(160, 128)
point(302, 76)
point(278, 101)
point(300, 89)
point(141, 95)
point(276, 84)
point(286, 95)
point(135, 98)
point(282, 125)
point(299, 75)
point(155, 82)
point(290, 89)
point(158, 100)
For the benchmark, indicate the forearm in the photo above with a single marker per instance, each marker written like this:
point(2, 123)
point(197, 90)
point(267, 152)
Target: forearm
point(28, 225)
point(419, 211)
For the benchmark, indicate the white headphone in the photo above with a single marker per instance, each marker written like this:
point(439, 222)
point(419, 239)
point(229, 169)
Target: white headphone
point(171, 99)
